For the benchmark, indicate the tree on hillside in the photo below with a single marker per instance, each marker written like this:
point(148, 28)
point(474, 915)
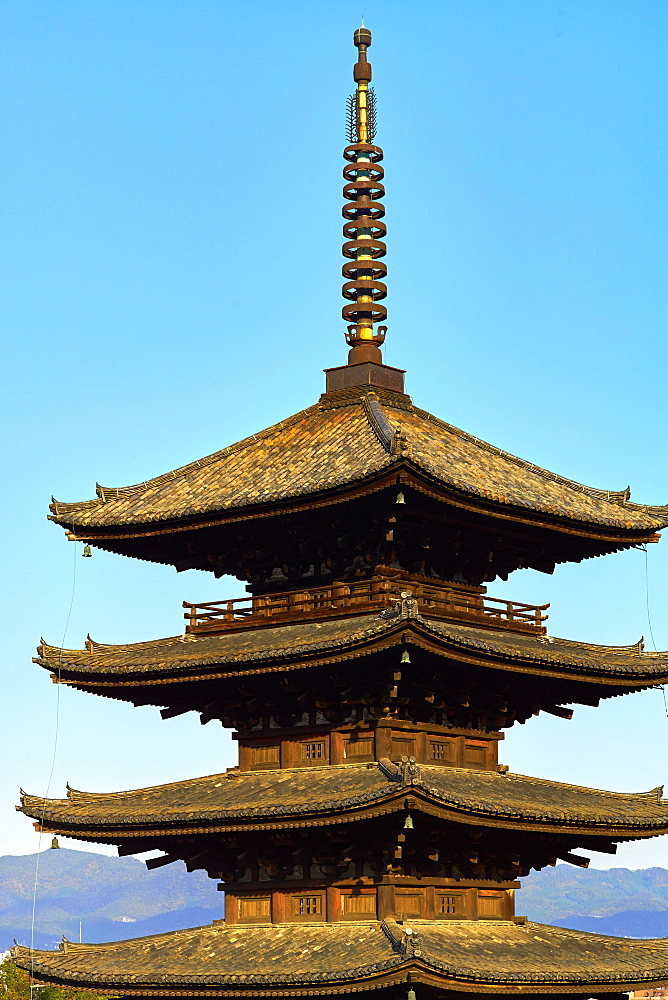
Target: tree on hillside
point(15, 985)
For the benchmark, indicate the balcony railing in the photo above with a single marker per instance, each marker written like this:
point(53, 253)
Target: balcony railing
point(443, 602)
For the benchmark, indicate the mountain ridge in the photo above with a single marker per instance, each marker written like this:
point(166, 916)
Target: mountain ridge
point(116, 898)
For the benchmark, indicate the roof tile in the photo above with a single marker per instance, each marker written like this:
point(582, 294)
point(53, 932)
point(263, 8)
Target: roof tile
point(342, 442)
point(302, 955)
point(319, 793)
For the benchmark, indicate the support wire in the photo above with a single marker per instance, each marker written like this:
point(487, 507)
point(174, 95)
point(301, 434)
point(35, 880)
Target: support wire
point(51, 770)
point(649, 623)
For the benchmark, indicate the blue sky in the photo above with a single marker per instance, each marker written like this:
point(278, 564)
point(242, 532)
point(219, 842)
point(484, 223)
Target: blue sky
point(171, 271)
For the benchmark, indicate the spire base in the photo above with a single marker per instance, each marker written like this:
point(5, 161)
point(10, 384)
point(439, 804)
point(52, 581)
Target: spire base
point(360, 353)
point(364, 373)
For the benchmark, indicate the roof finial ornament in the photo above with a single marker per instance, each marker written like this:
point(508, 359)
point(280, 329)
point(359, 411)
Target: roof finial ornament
point(364, 211)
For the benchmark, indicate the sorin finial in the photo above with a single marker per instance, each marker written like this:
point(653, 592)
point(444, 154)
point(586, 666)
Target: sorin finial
point(363, 210)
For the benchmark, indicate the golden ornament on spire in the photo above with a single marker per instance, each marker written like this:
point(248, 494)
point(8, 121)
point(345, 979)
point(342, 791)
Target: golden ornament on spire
point(364, 229)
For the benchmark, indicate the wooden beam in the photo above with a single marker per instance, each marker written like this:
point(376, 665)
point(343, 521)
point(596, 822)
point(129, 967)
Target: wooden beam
point(574, 859)
point(164, 859)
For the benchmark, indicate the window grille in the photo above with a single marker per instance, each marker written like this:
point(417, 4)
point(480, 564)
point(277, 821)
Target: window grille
point(309, 906)
point(448, 905)
point(313, 751)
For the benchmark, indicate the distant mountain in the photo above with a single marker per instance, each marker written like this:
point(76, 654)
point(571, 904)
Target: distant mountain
point(114, 898)
point(117, 898)
point(599, 900)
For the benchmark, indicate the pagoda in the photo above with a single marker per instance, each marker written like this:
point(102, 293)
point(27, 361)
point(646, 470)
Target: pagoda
point(369, 839)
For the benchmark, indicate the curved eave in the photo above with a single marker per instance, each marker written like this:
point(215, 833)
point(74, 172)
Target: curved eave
point(488, 957)
point(350, 442)
point(395, 977)
point(523, 804)
point(618, 669)
point(627, 524)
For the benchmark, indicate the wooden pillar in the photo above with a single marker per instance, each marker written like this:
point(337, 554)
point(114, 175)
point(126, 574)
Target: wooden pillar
point(336, 748)
point(383, 742)
point(509, 904)
point(245, 757)
point(231, 909)
point(385, 894)
point(333, 903)
point(289, 752)
point(278, 907)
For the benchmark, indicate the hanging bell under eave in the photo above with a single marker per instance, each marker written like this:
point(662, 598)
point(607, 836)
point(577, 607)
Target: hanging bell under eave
point(55, 846)
point(410, 995)
point(86, 554)
point(405, 657)
point(400, 498)
point(408, 823)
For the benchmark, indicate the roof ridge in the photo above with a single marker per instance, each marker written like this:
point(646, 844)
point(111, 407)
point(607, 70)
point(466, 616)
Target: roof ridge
point(45, 648)
point(378, 625)
point(633, 647)
point(613, 496)
point(652, 793)
point(93, 646)
point(377, 420)
point(393, 439)
point(655, 509)
point(445, 628)
point(105, 493)
point(352, 395)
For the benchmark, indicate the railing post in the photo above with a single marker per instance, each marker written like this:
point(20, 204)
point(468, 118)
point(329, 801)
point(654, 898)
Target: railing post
point(229, 613)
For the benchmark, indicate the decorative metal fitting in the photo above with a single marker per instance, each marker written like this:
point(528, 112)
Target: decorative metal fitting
point(409, 770)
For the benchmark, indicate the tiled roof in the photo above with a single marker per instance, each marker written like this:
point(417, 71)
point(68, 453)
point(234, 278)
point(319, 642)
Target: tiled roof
point(286, 647)
point(346, 439)
point(334, 958)
point(320, 795)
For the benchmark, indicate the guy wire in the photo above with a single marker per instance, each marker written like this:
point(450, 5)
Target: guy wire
point(649, 622)
point(53, 764)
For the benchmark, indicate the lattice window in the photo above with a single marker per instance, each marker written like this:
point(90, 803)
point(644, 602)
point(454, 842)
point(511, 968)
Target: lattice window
point(313, 751)
point(443, 750)
point(448, 905)
point(308, 906)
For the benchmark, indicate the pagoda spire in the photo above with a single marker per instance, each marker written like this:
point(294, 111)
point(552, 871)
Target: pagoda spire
point(364, 229)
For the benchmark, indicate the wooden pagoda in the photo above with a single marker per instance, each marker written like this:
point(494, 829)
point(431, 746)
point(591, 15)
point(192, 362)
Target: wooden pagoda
point(369, 839)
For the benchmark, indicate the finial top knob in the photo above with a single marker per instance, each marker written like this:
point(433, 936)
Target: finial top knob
point(362, 69)
point(362, 37)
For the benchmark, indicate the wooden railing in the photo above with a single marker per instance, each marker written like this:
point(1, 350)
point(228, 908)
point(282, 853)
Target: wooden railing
point(443, 602)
